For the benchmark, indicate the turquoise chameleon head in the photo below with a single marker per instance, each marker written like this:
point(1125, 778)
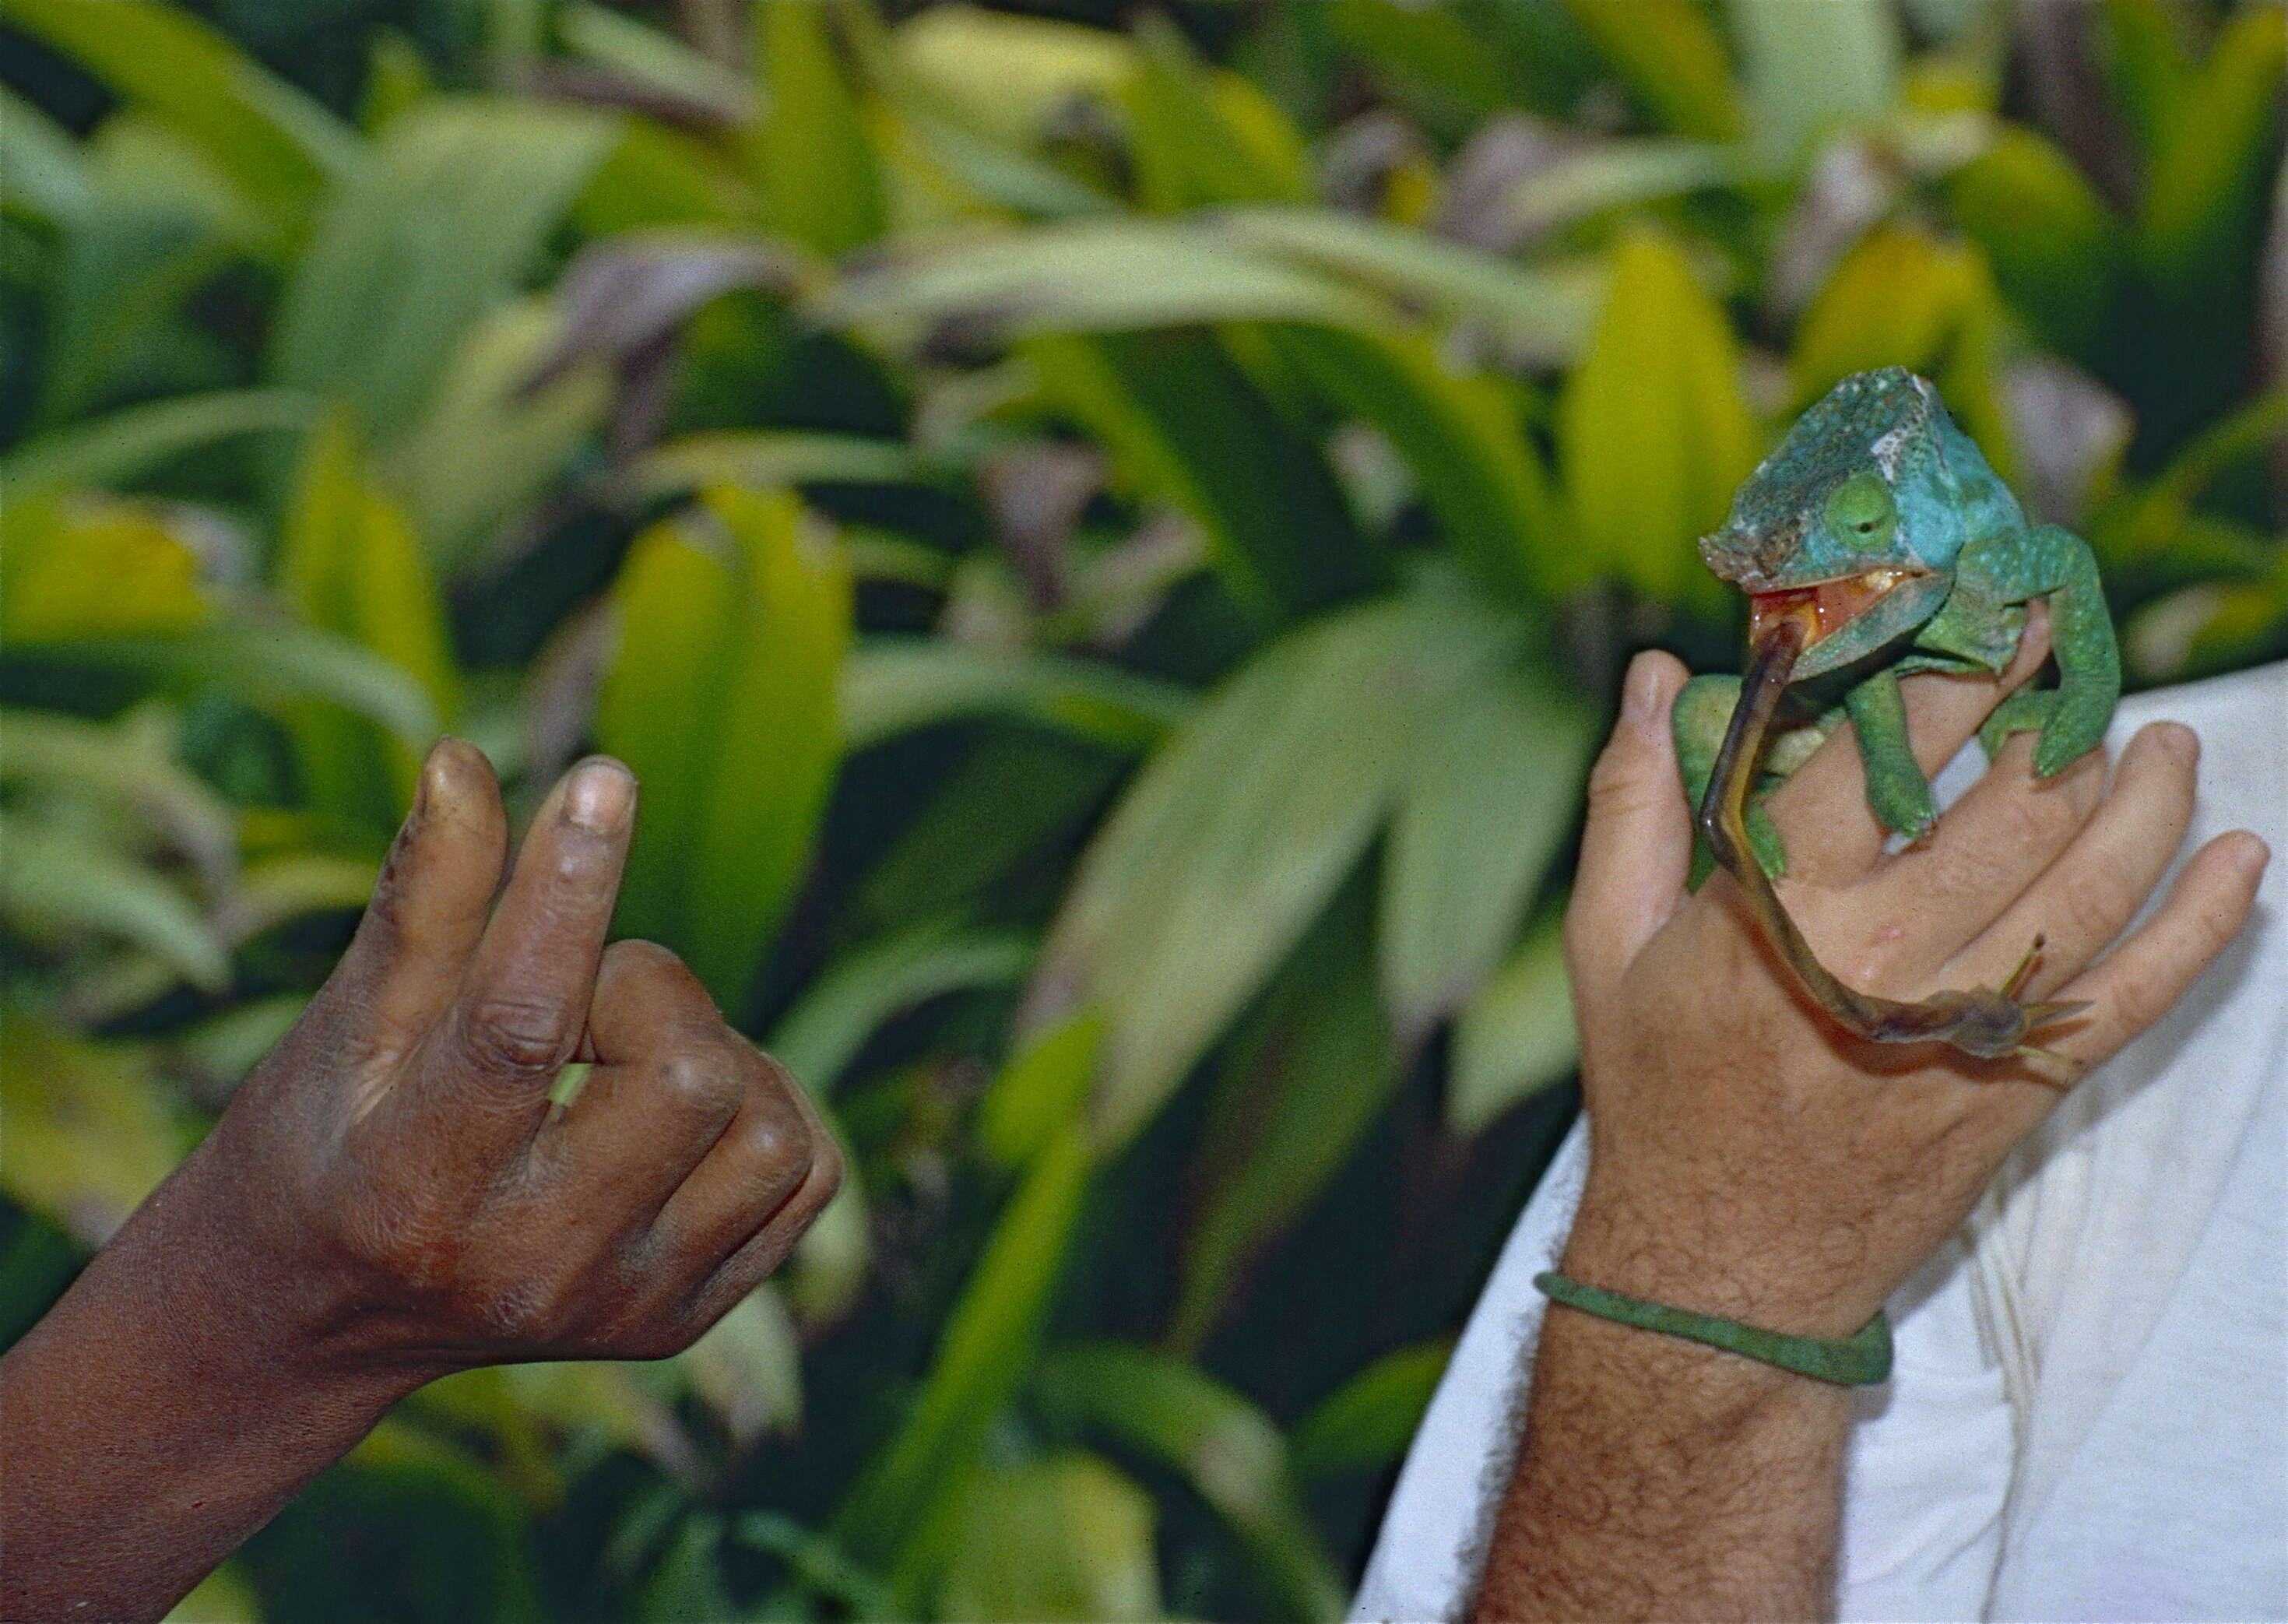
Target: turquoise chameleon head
point(1854, 523)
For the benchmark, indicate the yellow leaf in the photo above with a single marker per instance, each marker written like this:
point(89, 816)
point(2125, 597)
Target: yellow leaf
point(1653, 428)
point(93, 566)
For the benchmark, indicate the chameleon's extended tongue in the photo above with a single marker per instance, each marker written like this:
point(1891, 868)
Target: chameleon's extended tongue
point(1987, 1022)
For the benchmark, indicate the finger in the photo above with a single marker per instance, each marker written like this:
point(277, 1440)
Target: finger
point(2136, 984)
point(428, 907)
point(768, 1247)
point(524, 1001)
point(1991, 846)
point(1822, 806)
point(672, 1083)
point(1636, 851)
point(2088, 896)
point(757, 1165)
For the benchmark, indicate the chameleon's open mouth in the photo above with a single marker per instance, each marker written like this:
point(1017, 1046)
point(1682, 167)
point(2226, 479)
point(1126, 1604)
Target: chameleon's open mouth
point(1824, 607)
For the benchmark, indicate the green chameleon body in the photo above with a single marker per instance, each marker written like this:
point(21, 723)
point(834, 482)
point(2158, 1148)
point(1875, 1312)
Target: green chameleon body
point(1874, 542)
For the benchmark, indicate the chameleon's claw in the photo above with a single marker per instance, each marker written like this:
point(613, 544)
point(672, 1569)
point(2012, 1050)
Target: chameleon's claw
point(2018, 977)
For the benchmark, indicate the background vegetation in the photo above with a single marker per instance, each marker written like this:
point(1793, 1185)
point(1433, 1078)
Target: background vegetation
point(1108, 534)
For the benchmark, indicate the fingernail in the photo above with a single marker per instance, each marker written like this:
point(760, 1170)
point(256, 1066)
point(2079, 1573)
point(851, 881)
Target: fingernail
point(599, 797)
point(2179, 740)
point(1640, 692)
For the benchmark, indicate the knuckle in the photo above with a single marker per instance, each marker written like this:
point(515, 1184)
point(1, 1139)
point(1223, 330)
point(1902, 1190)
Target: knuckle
point(514, 1035)
point(699, 1083)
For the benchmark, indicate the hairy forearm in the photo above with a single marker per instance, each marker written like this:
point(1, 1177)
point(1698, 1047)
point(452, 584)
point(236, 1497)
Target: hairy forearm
point(154, 1420)
point(1660, 1479)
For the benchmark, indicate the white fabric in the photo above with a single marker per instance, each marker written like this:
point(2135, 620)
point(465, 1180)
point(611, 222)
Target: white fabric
point(2087, 1417)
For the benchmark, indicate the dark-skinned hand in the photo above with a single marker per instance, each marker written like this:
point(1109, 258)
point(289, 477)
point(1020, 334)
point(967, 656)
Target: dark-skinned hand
point(392, 1196)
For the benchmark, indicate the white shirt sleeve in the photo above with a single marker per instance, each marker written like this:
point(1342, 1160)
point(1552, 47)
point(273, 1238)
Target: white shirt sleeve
point(2087, 1414)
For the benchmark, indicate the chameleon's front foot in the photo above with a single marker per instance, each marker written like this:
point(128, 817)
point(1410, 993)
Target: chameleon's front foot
point(1991, 1022)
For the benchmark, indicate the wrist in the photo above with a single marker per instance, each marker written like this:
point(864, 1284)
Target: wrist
point(1712, 1260)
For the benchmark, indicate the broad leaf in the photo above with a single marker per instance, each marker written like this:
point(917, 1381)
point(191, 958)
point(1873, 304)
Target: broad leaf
point(282, 149)
point(1291, 1102)
point(1490, 797)
point(1236, 835)
point(58, 881)
point(1653, 429)
point(814, 164)
point(88, 1133)
point(115, 448)
point(1062, 1539)
point(1514, 1037)
point(1367, 1423)
point(1812, 69)
point(1181, 1417)
point(1189, 425)
point(819, 1037)
point(348, 564)
point(892, 686)
point(438, 228)
point(721, 697)
point(1672, 58)
point(898, 1515)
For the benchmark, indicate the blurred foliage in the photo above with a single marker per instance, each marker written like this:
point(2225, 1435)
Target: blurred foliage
point(1109, 534)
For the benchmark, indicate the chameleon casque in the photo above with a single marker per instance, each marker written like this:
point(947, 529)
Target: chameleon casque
point(1876, 541)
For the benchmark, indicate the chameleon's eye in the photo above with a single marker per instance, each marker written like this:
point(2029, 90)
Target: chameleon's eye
point(1861, 513)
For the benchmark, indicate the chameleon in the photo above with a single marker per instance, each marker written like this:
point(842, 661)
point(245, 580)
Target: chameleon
point(1876, 541)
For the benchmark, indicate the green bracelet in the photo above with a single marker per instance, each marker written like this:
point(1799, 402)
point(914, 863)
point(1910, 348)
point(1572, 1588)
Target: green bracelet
point(1860, 1360)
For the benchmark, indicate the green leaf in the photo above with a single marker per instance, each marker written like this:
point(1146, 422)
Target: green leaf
point(655, 57)
point(87, 567)
point(1812, 69)
point(1459, 434)
point(721, 697)
point(897, 1514)
point(2056, 249)
point(349, 563)
point(1290, 1103)
point(1040, 1090)
point(819, 1037)
point(1616, 175)
point(1182, 1418)
point(1514, 1037)
point(1653, 430)
point(1063, 1539)
point(1490, 797)
point(275, 666)
point(1237, 833)
point(56, 879)
point(88, 1134)
point(1672, 58)
point(771, 457)
point(1079, 276)
point(159, 226)
point(130, 766)
point(1190, 427)
point(748, 1368)
point(115, 448)
point(451, 212)
point(1367, 1423)
point(893, 686)
point(279, 147)
point(1537, 311)
point(813, 162)
point(1190, 130)
point(488, 442)
point(46, 174)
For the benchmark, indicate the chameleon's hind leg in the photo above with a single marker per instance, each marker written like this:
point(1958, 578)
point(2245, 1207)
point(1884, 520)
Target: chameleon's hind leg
point(2027, 711)
point(1897, 787)
point(1702, 710)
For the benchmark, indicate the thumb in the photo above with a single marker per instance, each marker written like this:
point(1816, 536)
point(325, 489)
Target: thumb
point(1636, 851)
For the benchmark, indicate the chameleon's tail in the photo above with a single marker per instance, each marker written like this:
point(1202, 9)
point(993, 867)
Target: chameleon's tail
point(1989, 1023)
